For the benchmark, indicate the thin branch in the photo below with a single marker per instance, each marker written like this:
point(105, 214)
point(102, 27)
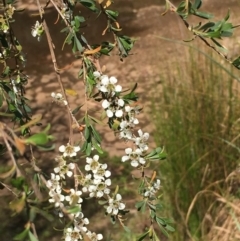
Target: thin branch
point(50, 45)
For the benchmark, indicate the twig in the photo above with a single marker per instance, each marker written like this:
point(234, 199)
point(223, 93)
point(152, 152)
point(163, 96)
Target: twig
point(50, 45)
point(34, 230)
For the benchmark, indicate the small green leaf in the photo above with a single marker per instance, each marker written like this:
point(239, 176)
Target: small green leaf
point(102, 202)
point(32, 237)
point(170, 228)
point(38, 139)
point(90, 4)
point(143, 236)
point(88, 149)
point(87, 132)
point(127, 229)
point(197, 4)
point(74, 209)
point(76, 110)
point(203, 15)
point(18, 204)
point(22, 235)
point(112, 14)
point(18, 182)
point(236, 62)
point(97, 147)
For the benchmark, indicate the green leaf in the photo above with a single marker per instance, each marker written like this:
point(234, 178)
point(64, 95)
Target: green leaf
point(76, 110)
point(107, 47)
point(77, 45)
point(163, 230)
point(141, 206)
point(161, 221)
point(89, 149)
point(127, 229)
point(102, 202)
point(1, 97)
point(18, 204)
point(143, 236)
point(74, 209)
point(170, 228)
point(151, 206)
point(87, 132)
point(125, 44)
point(32, 237)
point(22, 235)
point(197, 4)
point(97, 147)
point(90, 4)
point(38, 139)
point(112, 14)
point(18, 182)
point(236, 62)
point(96, 135)
point(203, 15)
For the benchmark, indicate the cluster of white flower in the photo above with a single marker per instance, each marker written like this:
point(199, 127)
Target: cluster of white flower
point(62, 197)
point(76, 232)
point(66, 11)
point(152, 189)
point(58, 98)
point(116, 108)
point(97, 184)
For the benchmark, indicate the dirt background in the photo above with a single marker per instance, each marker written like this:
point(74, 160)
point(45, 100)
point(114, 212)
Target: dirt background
point(150, 58)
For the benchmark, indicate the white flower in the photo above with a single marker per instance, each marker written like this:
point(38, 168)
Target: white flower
point(63, 169)
point(74, 197)
point(102, 172)
point(120, 102)
point(134, 157)
point(80, 222)
point(109, 113)
point(66, 11)
point(132, 112)
point(54, 183)
point(115, 205)
point(119, 113)
point(56, 198)
point(96, 74)
point(125, 130)
point(99, 188)
point(86, 182)
point(72, 234)
point(141, 141)
point(156, 184)
point(105, 104)
point(93, 164)
point(151, 190)
point(69, 150)
point(93, 236)
point(108, 85)
point(58, 97)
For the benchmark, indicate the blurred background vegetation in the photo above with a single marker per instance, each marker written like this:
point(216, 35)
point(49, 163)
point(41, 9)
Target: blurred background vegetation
point(197, 119)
